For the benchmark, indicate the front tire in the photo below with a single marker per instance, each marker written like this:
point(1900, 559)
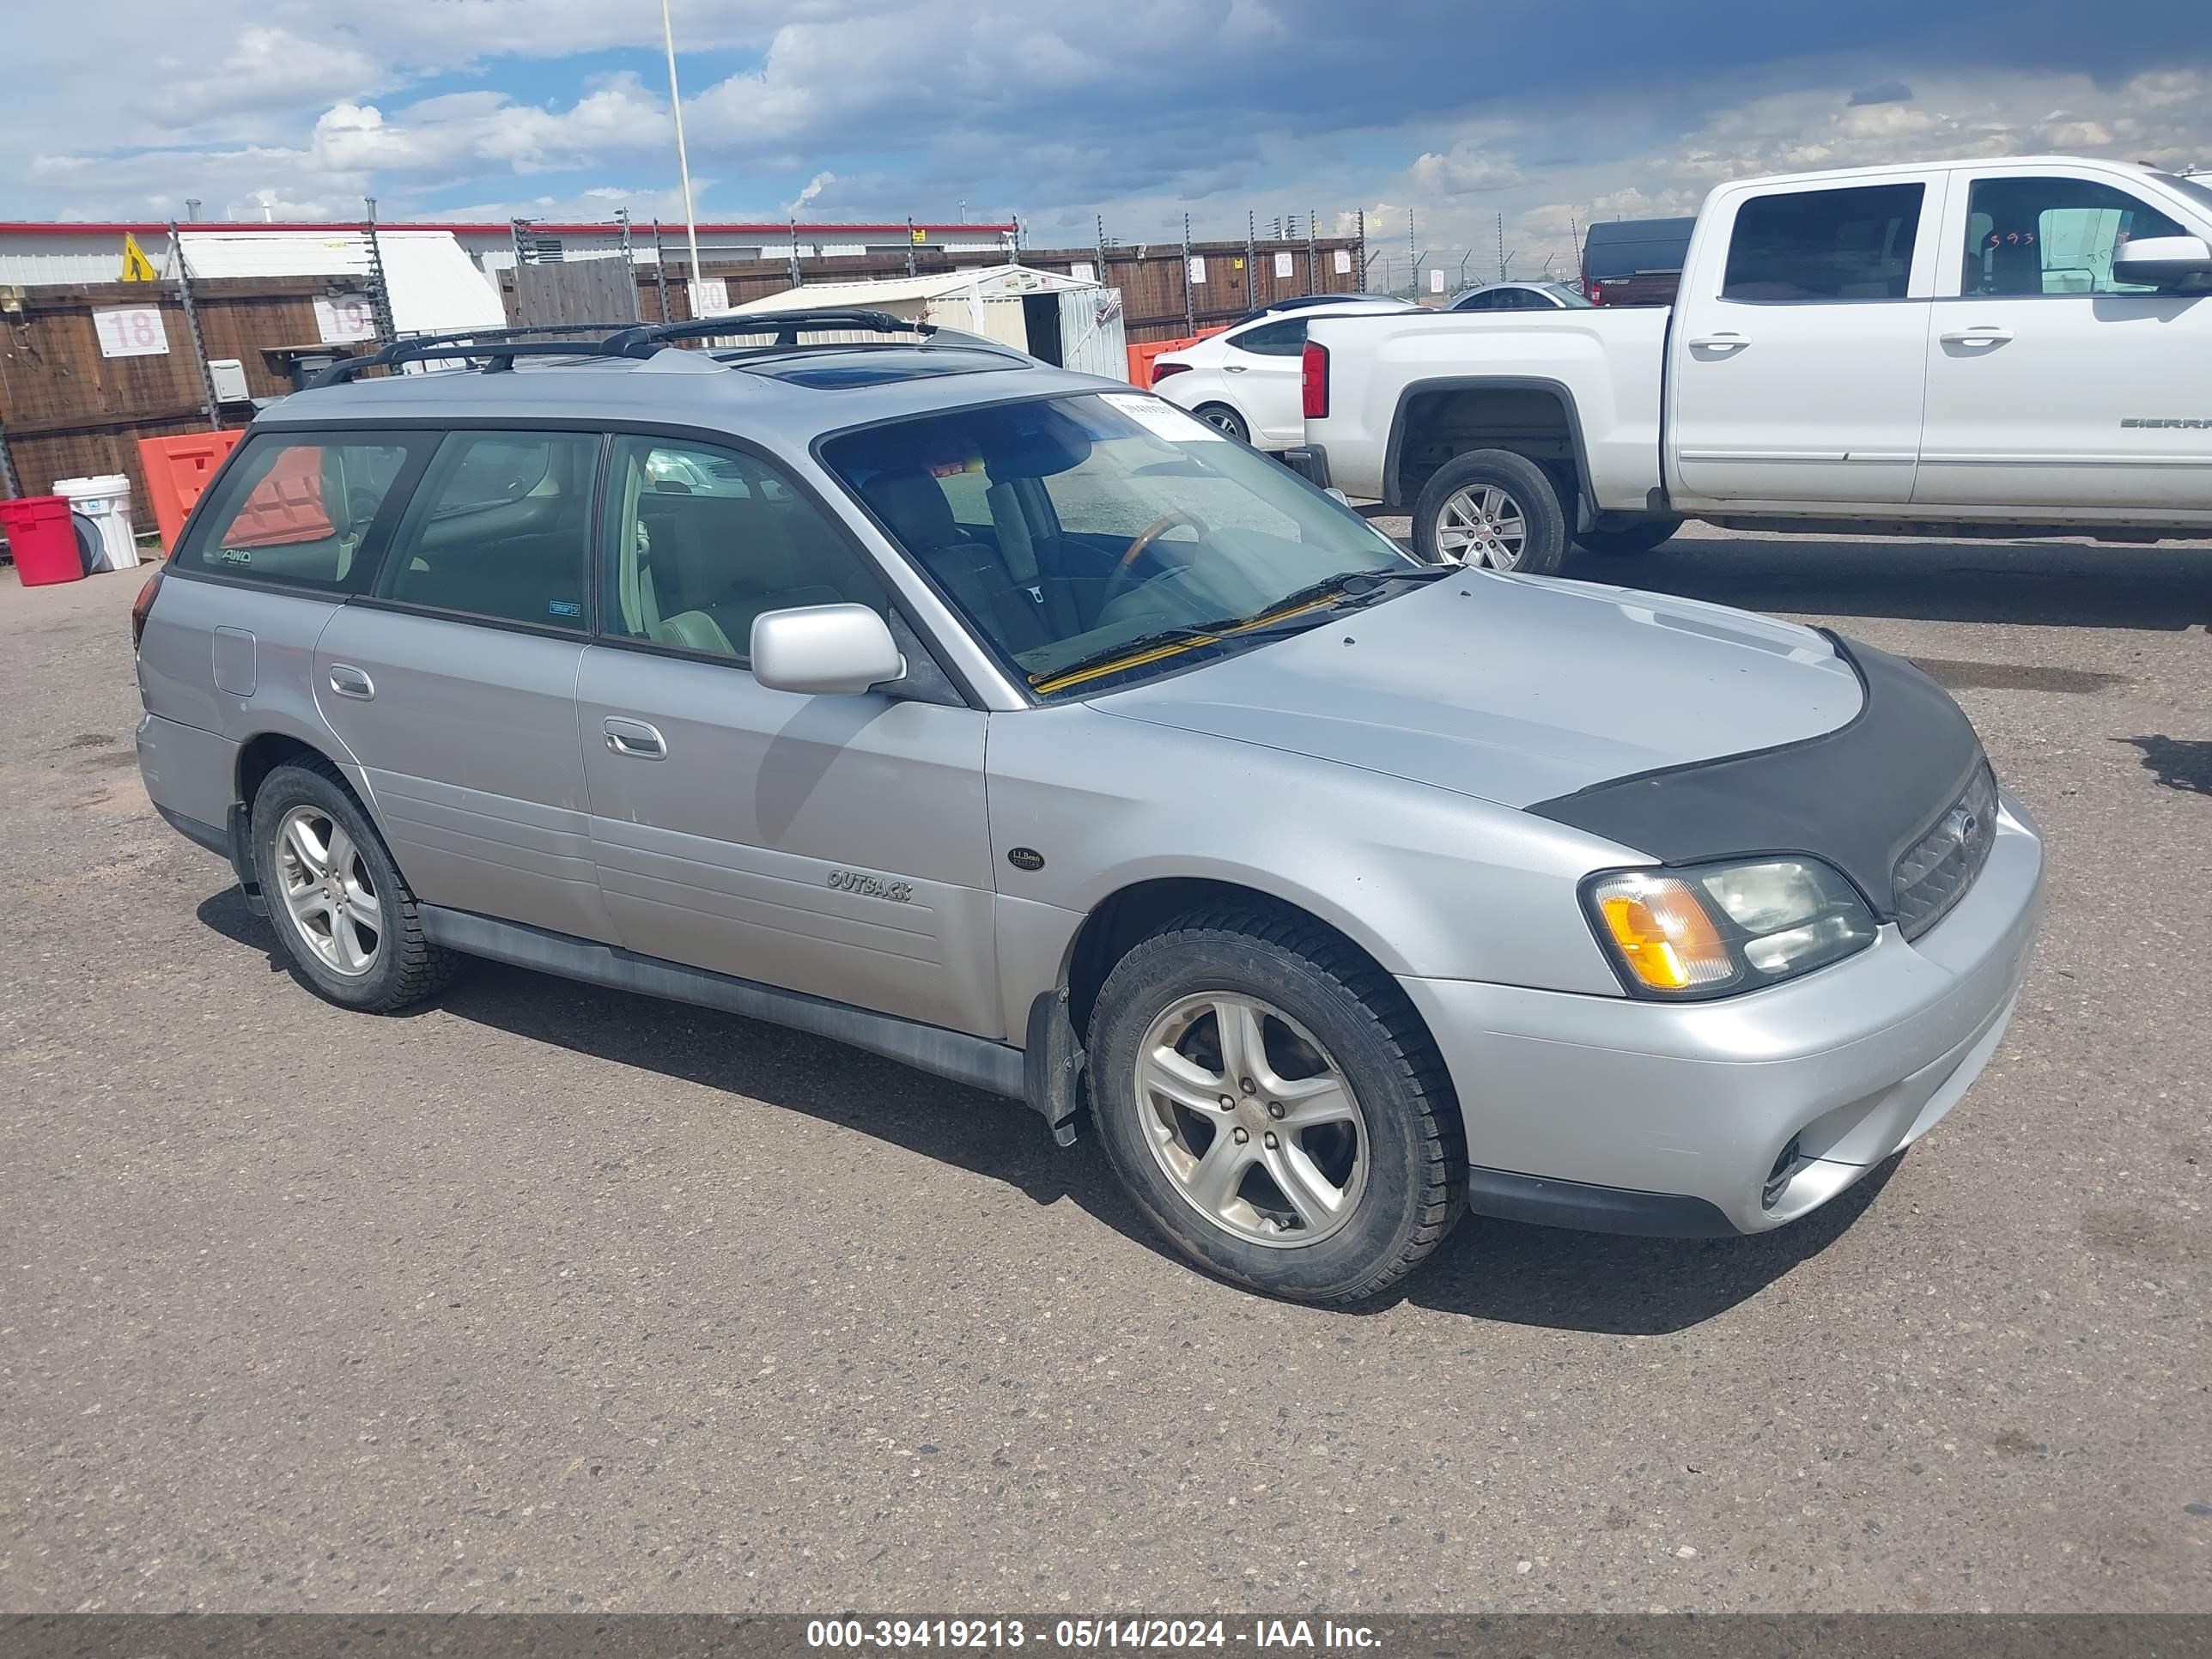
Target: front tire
point(1493, 509)
point(347, 917)
point(1630, 540)
point(1226, 421)
point(1338, 1163)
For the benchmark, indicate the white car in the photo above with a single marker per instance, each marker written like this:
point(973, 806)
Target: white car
point(1523, 296)
point(1244, 380)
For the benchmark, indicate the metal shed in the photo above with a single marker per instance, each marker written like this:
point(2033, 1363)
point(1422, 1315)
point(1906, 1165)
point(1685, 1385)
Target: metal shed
point(1064, 320)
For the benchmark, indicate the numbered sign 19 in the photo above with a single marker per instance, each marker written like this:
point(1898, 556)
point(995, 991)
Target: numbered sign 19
point(131, 331)
point(345, 320)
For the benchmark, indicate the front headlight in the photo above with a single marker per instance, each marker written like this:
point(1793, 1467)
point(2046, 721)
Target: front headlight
point(1710, 929)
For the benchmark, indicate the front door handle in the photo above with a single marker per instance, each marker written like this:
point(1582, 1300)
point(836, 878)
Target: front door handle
point(635, 738)
point(350, 682)
point(1723, 342)
point(1985, 335)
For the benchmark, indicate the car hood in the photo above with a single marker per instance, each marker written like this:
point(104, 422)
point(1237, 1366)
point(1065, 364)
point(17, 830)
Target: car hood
point(1516, 689)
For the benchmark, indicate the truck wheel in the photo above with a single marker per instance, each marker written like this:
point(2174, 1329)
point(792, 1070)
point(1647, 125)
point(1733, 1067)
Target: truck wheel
point(1275, 1106)
point(1630, 539)
point(345, 914)
point(1224, 420)
point(1494, 509)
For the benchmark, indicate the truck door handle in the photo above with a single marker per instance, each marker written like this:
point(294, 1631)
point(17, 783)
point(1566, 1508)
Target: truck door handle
point(1720, 343)
point(635, 738)
point(1980, 336)
point(350, 682)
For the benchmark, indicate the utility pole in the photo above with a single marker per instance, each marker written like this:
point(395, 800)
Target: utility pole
point(380, 295)
point(1189, 300)
point(192, 328)
point(683, 162)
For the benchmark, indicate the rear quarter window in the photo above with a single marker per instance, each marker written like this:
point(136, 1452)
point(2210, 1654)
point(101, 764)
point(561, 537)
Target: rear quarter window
point(300, 509)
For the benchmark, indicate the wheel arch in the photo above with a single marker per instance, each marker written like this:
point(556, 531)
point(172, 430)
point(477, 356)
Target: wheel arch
point(1432, 398)
point(1140, 908)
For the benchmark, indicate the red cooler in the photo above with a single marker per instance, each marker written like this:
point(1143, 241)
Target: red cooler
point(42, 538)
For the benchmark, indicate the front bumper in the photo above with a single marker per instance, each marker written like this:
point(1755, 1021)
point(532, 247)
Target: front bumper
point(1635, 1116)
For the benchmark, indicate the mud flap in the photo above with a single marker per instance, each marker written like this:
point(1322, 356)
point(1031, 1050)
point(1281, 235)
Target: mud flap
point(1052, 1065)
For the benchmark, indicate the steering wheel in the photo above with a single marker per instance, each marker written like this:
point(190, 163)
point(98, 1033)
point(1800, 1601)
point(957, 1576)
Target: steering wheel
point(1125, 570)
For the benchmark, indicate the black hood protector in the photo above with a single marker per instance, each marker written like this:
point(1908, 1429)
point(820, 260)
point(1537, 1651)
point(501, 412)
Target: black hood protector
point(1856, 797)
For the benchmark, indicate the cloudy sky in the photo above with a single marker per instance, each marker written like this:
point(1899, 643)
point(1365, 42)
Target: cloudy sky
point(1545, 112)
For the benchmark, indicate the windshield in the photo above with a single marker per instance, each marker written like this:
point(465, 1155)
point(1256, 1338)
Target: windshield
point(1072, 531)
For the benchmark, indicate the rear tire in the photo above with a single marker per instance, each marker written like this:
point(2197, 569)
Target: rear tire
point(1630, 540)
point(346, 915)
point(1350, 1105)
point(1226, 421)
point(1493, 509)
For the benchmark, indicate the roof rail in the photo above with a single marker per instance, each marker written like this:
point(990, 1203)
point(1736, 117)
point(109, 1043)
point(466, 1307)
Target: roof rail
point(642, 340)
point(502, 345)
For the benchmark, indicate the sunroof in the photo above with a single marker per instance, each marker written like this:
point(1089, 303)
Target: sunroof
point(877, 368)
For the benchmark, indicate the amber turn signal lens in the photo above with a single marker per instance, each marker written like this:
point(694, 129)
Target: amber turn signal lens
point(1663, 933)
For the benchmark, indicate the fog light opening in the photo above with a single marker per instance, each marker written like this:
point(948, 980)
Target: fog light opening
point(1778, 1178)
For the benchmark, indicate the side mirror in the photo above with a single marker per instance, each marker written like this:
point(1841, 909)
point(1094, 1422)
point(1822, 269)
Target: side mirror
point(2164, 262)
point(824, 650)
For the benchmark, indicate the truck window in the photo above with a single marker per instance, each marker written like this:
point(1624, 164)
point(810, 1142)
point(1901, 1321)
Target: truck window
point(1854, 244)
point(2052, 236)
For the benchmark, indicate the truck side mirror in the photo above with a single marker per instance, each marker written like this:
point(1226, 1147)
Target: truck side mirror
point(2162, 262)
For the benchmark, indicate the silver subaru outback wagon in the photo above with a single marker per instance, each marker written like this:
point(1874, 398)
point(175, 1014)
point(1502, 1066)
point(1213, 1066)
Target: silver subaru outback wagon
point(901, 688)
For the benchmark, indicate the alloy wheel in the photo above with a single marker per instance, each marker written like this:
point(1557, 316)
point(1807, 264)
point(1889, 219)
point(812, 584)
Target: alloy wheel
point(1482, 526)
point(1251, 1120)
point(328, 891)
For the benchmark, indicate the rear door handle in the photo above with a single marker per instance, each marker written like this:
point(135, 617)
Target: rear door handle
point(1977, 336)
point(635, 738)
point(350, 682)
point(1720, 343)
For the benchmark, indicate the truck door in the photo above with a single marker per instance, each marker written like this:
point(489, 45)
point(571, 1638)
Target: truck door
point(2051, 384)
point(1798, 349)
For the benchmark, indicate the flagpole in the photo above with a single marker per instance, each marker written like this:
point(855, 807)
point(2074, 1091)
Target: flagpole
point(682, 164)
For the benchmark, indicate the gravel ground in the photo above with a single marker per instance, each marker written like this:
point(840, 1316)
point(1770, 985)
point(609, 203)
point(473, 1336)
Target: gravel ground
point(553, 1298)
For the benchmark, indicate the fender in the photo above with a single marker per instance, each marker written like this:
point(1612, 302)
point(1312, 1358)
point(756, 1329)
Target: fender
point(1393, 493)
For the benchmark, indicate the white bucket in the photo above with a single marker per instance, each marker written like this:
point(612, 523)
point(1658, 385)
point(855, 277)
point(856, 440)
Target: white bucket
point(106, 501)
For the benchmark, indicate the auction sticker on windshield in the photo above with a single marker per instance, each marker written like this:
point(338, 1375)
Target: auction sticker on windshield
point(1162, 420)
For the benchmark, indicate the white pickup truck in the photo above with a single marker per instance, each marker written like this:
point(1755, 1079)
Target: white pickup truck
point(2009, 347)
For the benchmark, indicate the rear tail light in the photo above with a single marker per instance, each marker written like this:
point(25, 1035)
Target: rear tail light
point(1313, 380)
point(1161, 371)
point(1596, 290)
point(141, 604)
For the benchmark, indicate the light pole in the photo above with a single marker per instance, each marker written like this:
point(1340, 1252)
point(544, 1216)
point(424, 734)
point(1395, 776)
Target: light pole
point(683, 163)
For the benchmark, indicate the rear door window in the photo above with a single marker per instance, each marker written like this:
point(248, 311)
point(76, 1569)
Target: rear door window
point(1854, 244)
point(501, 527)
point(1285, 339)
point(300, 509)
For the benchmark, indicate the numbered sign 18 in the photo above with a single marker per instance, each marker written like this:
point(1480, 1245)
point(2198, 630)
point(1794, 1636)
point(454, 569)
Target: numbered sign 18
point(131, 331)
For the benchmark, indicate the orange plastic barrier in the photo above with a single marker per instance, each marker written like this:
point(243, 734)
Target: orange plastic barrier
point(287, 505)
point(177, 470)
point(1140, 357)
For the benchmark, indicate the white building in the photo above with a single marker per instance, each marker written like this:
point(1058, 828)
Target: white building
point(60, 251)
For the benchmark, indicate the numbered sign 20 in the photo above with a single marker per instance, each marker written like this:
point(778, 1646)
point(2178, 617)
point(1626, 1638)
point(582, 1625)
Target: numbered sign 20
point(131, 331)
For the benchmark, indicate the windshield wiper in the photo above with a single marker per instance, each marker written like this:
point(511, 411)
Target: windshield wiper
point(1166, 642)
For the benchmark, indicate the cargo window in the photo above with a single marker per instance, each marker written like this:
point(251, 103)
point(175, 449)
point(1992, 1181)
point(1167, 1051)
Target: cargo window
point(300, 509)
point(500, 527)
point(1854, 244)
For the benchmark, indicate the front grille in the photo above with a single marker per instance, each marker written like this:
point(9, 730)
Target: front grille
point(1936, 871)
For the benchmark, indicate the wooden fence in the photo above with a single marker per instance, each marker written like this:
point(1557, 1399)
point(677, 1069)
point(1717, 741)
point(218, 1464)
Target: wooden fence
point(70, 408)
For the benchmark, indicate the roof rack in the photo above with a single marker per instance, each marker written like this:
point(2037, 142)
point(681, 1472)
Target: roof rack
point(502, 346)
point(642, 340)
